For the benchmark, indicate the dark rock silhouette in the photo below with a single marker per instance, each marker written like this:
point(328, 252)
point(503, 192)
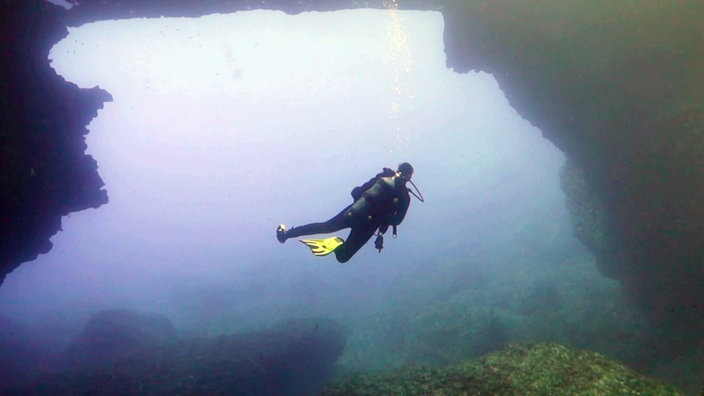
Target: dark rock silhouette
point(44, 171)
point(115, 334)
point(292, 358)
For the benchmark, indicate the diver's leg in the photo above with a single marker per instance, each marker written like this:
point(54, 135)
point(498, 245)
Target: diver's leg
point(357, 238)
point(338, 222)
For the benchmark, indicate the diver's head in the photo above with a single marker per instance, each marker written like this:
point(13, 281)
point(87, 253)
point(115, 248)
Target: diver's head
point(405, 170)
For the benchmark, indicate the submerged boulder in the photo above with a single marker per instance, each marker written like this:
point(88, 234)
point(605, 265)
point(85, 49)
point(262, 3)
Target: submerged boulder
point(536, 369)
point(115, 334)
point(295, 357)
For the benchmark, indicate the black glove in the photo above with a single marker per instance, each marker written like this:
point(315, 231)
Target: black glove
point(379, 242)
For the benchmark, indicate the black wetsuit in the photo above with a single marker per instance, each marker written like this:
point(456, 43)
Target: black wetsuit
point(379, 203)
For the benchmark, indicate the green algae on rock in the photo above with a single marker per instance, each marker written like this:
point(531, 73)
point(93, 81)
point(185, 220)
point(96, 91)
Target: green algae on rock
point(535, 369)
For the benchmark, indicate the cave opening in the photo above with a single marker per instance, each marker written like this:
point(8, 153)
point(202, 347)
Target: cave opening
point(224, 126)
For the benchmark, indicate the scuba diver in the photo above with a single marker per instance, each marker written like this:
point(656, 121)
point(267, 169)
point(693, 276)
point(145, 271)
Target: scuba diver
point(377, 204)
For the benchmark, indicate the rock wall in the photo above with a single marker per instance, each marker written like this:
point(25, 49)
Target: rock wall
point(44, 172)
point(616, 85)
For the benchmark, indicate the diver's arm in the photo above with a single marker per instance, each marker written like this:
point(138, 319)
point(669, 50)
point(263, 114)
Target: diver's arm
point(404, 201)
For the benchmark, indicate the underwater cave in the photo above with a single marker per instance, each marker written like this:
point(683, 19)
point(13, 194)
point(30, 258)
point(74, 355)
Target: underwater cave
point(222, 126)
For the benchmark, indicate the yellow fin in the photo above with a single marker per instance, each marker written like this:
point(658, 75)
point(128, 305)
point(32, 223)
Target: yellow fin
point(323, 247)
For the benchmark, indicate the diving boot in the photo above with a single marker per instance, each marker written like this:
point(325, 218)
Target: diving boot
point(281, 233)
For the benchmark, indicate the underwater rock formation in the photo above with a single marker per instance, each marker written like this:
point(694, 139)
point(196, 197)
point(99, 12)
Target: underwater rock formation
point(112, 335)
point(538, 369)
point(616, 85)
point(44, 171)
point(590, 219)
point(294, 357)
